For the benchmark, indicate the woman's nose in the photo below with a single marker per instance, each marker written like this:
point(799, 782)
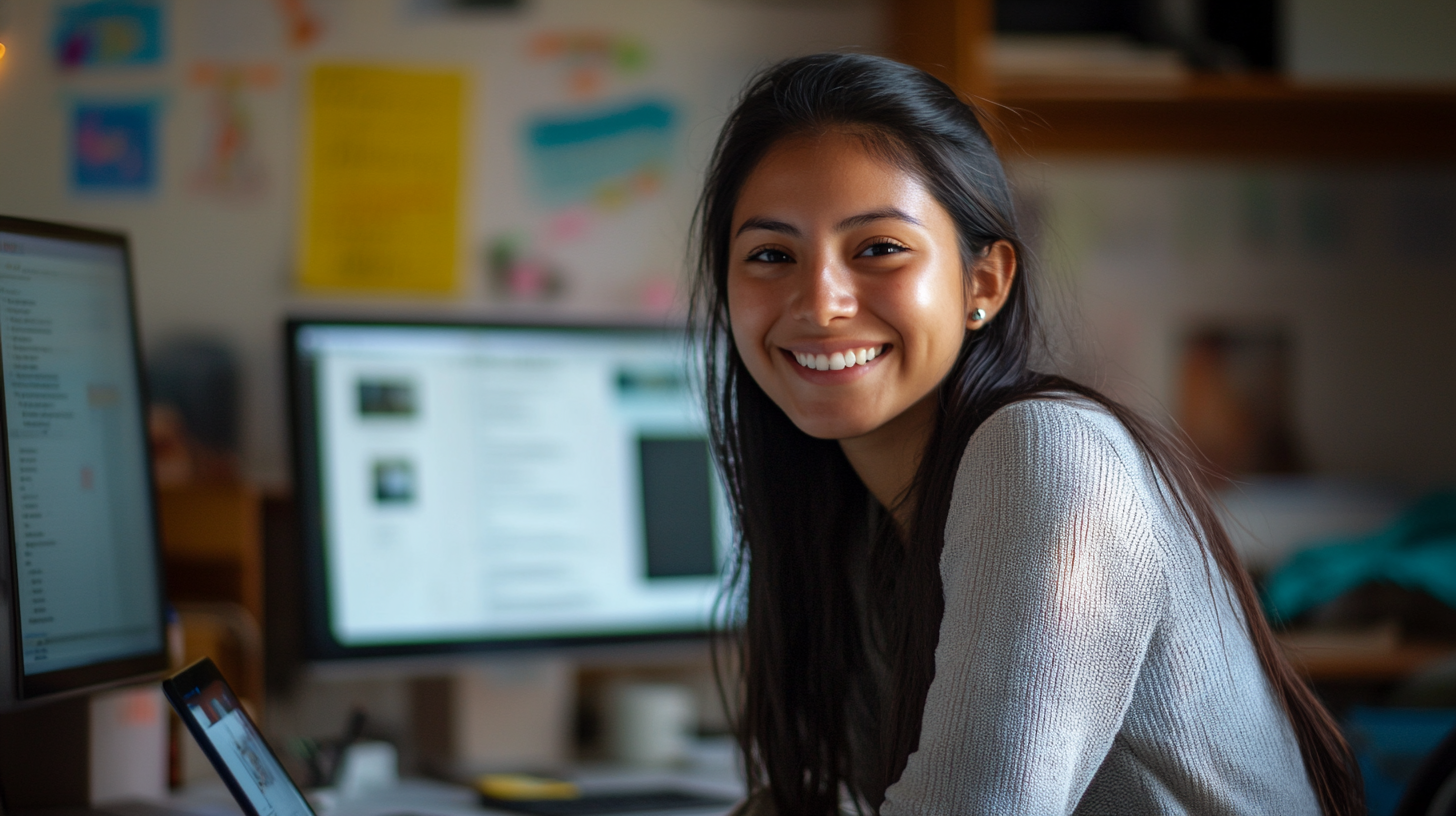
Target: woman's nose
point(825, 293)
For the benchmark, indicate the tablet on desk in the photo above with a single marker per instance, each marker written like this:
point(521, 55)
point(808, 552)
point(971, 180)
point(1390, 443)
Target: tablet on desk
point(261, 787)
point(233, 743)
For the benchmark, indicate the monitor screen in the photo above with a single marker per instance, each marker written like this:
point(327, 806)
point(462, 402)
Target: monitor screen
point(468, 487)
point(84, 554)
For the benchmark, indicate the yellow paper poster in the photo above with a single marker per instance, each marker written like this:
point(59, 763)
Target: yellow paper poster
point(381, 208)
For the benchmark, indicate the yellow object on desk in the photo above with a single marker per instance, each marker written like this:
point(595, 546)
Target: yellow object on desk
point(514, 787)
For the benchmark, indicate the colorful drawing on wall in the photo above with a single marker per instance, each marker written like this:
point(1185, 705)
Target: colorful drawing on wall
point(231, 165)
point(589, 58)
point(114, 146)
point(109, 33)
point(598, 151)
point(598, 155)
point(518, 273)
point(302, 24)
point(606, 156)
point(381, 210)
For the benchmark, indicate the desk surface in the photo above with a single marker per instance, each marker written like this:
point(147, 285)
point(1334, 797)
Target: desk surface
point(418, 797)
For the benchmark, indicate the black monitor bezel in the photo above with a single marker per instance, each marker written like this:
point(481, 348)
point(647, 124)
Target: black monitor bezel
point(319, 644)
point(111, 672)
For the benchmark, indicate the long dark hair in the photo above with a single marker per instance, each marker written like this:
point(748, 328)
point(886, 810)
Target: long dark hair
point(802, 644)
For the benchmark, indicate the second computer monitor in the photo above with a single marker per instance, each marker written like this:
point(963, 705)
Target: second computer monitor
point(474, 487)
point(81, 602)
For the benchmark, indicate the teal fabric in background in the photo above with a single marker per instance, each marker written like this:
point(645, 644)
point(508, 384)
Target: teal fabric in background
point(1390, 744)
point(1417, 551)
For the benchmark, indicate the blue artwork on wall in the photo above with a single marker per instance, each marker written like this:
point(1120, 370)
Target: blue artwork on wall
point(602, 156)
point(114, 147)
point(109, 33)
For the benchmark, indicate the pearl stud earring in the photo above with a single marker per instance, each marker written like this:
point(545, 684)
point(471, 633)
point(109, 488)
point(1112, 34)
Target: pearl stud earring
point(978, 315)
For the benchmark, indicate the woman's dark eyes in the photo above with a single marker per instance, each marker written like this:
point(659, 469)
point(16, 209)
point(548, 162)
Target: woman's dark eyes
point(770, 256)
point(875, 250)
point(881, 248)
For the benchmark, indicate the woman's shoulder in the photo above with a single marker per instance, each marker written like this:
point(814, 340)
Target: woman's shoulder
point(1056, 457)
point(1050, 482)
point(1052, 485)
point(1045, 430)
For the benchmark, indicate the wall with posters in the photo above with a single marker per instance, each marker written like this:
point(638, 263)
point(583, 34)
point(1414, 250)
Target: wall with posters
point(582, 127)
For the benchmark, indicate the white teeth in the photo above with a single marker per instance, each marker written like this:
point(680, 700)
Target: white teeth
point(837, 361)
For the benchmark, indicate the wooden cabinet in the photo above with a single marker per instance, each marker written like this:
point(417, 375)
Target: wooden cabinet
point(212, 544)
point(212, 551)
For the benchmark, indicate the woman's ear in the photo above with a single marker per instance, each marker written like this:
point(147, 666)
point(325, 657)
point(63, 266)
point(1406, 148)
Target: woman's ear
point(989, 283)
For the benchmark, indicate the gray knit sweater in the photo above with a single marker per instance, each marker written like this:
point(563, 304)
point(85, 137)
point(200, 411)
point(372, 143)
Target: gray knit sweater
point(1091, 658)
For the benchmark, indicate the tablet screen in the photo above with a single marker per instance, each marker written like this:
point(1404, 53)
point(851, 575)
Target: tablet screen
point(237, 742)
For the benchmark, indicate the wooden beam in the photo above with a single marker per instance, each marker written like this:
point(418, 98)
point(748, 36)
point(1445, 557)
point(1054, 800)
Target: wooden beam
point(946, 38)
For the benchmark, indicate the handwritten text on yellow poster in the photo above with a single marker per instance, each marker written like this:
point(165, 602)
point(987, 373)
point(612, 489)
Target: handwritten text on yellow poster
point(382, 180)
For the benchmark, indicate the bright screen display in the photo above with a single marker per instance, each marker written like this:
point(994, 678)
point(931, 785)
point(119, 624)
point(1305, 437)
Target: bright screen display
point(493, 483)
point(81, 514)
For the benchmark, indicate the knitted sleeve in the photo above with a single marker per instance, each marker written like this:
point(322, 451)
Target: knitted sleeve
point(1054, 586)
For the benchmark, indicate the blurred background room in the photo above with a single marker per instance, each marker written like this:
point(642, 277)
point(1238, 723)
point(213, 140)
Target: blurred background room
point(1243, 212)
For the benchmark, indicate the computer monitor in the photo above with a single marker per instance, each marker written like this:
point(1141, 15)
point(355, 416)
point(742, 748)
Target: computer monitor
point(484, 487)
point(81, 565)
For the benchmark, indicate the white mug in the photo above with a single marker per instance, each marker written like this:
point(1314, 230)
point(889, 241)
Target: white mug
point(650, 723)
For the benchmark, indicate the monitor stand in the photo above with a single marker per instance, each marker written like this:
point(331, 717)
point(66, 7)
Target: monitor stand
point(85, 751)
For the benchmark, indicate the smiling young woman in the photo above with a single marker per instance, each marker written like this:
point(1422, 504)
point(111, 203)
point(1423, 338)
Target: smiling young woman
point(963, 586)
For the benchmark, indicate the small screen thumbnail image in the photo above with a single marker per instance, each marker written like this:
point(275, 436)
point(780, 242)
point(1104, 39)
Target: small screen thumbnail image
point(660, 382)
point(394, 481)
point(391, 398)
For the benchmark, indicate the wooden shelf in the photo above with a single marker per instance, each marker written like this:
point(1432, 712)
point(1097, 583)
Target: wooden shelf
point(1240, 117)
point(1372, 656)
point(1397, 664)
point(1245, 118)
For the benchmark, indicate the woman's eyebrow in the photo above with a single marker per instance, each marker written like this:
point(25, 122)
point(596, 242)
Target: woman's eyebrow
point(756, 223)
point(877, 215)
point(849, 223)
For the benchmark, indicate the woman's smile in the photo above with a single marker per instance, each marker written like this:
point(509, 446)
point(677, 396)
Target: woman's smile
point(857, 355)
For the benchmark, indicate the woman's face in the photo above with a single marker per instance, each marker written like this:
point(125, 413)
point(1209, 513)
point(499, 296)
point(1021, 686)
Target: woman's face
point(846, 289)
